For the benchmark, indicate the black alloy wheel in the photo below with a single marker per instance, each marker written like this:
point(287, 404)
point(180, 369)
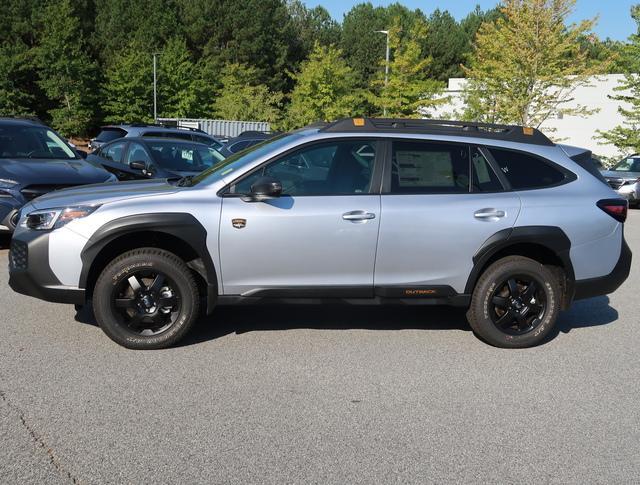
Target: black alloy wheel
point(147, 302)
point(518, 305)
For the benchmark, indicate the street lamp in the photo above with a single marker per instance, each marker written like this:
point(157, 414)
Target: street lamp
point(386, 63)
point(155, 89)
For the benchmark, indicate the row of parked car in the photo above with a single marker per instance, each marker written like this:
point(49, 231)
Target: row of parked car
point(35, 160)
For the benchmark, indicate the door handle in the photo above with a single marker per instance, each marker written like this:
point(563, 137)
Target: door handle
point(356, 216)
point(489, 214)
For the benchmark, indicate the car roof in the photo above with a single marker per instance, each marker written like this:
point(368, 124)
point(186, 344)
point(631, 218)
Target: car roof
point(154, 127)
point(8, 120)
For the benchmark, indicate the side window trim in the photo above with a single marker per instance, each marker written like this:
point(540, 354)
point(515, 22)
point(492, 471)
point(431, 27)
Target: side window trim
point(376, 176)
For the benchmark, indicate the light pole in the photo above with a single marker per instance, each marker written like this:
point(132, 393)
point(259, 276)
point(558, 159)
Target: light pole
point(386, 64)
point(155, 89)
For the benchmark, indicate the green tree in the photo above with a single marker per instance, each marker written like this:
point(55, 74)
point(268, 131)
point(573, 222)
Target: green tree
point(311, 26)
point(146, 23)
point(325, 89)
point(241, 97)
point(409, 90)
point(362, 46)
point(15, 99)
point(180, 91)
point(626, 137)
point(128, 87)
point(66, 75)
point(257, 33)
point(528, 63)
point(447, 44)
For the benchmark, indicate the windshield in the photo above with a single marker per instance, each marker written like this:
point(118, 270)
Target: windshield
point(28, 141)
point(184, 157)
point(631, 164)
point(240, 159)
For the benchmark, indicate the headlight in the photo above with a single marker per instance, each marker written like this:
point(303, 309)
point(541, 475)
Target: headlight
point(44, 220)
point(7, 183)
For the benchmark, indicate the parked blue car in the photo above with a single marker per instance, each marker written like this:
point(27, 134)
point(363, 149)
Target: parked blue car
point(35, 160)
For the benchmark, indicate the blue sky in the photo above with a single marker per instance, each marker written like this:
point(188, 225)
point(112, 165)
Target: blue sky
point(615, 21)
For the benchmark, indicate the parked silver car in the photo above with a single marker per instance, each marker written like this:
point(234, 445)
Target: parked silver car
point(624, 178)
point(114, 132)
point(496, 219)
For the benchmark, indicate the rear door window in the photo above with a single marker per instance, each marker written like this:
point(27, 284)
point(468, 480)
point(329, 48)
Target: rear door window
point(429, 168)
point(524, 171)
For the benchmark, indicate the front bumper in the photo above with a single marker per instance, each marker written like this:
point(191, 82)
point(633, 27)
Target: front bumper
point(605, 285)
point(30, 273)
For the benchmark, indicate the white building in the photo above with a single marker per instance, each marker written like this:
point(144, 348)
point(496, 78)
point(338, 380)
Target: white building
point(572, 130)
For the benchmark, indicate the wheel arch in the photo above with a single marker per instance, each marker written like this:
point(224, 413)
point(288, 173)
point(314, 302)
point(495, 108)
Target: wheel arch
point(548, 245)
point(179, 233)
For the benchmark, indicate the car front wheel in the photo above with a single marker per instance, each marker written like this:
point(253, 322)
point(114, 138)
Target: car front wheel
point(515, 303)
point(146, 299)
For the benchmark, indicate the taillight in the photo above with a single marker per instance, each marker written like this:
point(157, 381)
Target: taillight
point(616, 208)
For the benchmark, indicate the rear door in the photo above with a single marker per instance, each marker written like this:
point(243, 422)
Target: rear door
point(318, 239)
point(440, 203)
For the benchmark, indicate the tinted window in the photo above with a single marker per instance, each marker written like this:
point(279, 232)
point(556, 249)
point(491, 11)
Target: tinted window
point(525, 171)
point(113, 152)
point(241, 145)
point(484, 178)
point(334, 168)
point(207, 141)
point(183, 157)
point(109, 134)
point(167, 134)
point(137, 153)
point(428, 168)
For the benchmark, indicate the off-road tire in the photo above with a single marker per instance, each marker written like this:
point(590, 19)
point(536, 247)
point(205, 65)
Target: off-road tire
point(131, 263)
point(481, 314)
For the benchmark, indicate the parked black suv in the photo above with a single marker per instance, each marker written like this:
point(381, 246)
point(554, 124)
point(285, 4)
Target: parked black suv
point(35, 160)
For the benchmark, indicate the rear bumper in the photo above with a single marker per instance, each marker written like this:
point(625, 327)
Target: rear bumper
point(30, 273)
point(605, 285)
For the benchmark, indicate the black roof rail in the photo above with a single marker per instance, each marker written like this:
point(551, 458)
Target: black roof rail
point(512, 133)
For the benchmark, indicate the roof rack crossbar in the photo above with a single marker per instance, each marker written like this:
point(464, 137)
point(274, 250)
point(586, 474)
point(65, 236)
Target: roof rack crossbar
point(440, 127)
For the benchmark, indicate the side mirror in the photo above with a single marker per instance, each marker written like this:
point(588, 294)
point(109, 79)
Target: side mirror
point(264, 188)
point(143, 167)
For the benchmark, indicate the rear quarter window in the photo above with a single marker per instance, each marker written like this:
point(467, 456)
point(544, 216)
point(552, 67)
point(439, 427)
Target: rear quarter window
point(524, 171)
point(109, 134)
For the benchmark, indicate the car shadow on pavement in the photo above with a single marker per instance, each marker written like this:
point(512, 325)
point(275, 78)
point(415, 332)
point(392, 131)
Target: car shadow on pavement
point(585, 313)
point(271, 317)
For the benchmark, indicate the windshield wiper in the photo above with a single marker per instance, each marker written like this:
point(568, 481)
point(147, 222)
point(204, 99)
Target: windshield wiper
point(185, 181)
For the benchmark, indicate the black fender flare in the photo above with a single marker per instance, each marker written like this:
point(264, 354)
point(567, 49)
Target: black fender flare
point(180, 225)
point(550, 237)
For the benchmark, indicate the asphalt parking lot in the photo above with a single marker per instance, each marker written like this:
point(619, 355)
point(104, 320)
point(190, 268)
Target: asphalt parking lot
point(323, 395)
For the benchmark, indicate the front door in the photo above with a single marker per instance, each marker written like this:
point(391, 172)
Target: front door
point(318, 239)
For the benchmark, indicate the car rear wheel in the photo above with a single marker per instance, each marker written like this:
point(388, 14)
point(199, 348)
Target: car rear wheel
point(515, 303)
point(146, 299)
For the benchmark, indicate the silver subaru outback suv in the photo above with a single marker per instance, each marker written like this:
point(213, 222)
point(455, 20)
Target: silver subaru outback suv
point(496, 219)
